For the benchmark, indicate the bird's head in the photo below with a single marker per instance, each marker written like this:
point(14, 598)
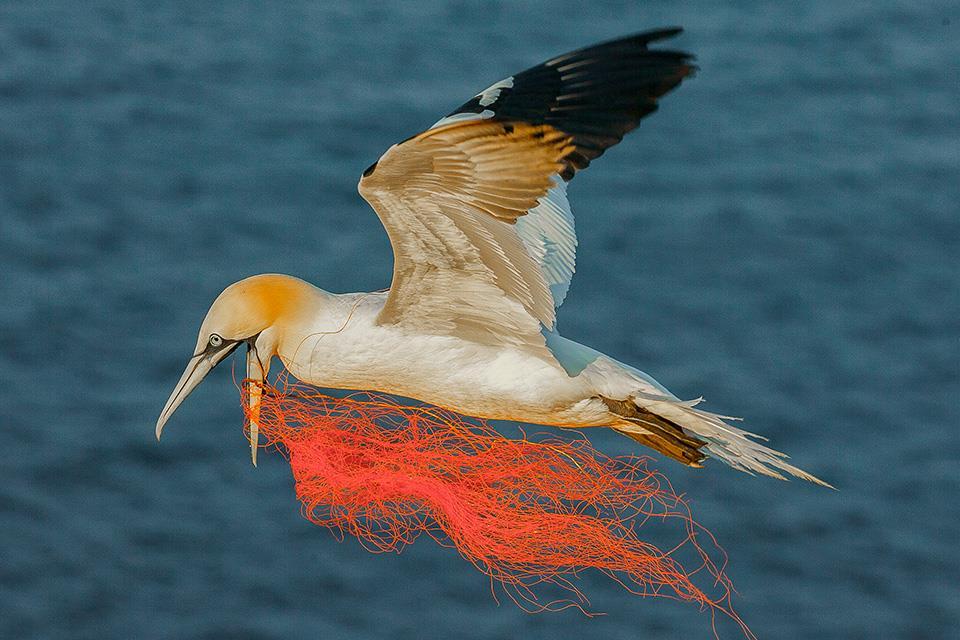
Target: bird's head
point(253, 312)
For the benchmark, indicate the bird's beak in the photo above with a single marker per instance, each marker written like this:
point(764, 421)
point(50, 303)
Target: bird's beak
point(256, 373)
point(197, 369)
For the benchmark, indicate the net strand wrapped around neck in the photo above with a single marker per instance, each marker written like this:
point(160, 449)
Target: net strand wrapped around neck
point(527, 512)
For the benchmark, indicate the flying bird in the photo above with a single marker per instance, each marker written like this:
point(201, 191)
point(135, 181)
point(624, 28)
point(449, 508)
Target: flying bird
point(484, 246)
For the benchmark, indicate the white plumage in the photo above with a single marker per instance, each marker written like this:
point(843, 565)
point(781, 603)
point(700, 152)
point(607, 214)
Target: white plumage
point(484, 250)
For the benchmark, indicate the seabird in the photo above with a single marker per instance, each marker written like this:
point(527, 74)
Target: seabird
point(484, 247)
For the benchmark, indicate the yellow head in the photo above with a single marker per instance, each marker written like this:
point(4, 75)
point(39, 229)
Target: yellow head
point(254, 312)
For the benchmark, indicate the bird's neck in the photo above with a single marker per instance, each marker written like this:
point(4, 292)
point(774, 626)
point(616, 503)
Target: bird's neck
point(293, 306)
point(320, 320)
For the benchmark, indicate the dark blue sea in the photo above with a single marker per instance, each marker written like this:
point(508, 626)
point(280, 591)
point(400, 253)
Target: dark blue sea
point(782, 237)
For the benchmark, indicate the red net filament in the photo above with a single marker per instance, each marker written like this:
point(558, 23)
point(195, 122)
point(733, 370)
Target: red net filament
point(531, 513)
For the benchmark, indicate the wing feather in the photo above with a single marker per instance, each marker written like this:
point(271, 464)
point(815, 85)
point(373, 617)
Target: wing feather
point(550, 237)
point(449, 200)
point(476, 206)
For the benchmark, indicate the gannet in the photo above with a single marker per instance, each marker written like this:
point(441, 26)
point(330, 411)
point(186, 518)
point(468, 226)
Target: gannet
point(484, 246)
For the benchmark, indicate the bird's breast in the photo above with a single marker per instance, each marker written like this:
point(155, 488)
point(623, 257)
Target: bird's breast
point(470, 378)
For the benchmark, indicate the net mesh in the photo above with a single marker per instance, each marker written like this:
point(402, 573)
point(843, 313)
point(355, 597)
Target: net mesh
point(530, 512)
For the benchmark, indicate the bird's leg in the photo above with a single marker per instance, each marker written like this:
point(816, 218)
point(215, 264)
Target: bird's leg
point(256, 373)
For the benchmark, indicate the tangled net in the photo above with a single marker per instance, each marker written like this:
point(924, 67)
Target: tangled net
point(526, 512)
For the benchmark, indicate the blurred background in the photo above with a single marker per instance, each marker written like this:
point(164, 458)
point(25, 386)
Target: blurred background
point(782, 237)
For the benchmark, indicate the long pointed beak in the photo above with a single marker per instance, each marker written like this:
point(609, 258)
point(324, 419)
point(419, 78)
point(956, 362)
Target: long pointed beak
point(197, 369)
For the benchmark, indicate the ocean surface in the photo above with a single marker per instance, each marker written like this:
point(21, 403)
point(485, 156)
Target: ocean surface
point(782, 237)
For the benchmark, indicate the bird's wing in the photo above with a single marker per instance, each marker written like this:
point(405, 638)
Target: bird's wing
point(476, 207)
point(449, 199)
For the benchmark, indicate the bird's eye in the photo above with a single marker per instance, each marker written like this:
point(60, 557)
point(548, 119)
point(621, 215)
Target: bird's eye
point(215, 340)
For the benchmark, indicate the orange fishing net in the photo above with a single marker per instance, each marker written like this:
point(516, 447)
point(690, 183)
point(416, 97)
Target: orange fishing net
point(531, 513)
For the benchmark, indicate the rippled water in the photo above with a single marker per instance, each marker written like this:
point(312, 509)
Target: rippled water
point(782, 237)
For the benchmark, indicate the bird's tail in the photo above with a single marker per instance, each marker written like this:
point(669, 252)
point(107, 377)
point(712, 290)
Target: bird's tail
point(679, 430)
point(647, 412)
point(655, 432)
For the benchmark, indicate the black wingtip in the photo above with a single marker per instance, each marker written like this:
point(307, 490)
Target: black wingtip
point(644, 37)
point(638, 40)
point(596, 94)
point(661, 34)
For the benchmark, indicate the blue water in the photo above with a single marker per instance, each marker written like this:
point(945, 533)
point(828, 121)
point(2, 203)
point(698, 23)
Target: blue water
point(782, 238)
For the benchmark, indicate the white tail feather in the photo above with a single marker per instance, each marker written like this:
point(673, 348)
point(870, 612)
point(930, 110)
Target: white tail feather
point(734, 446)
point(615, 380)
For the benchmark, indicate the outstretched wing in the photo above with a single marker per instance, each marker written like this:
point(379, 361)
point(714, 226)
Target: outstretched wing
point(476, 207)
point(597, 94)
point(449, 199)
